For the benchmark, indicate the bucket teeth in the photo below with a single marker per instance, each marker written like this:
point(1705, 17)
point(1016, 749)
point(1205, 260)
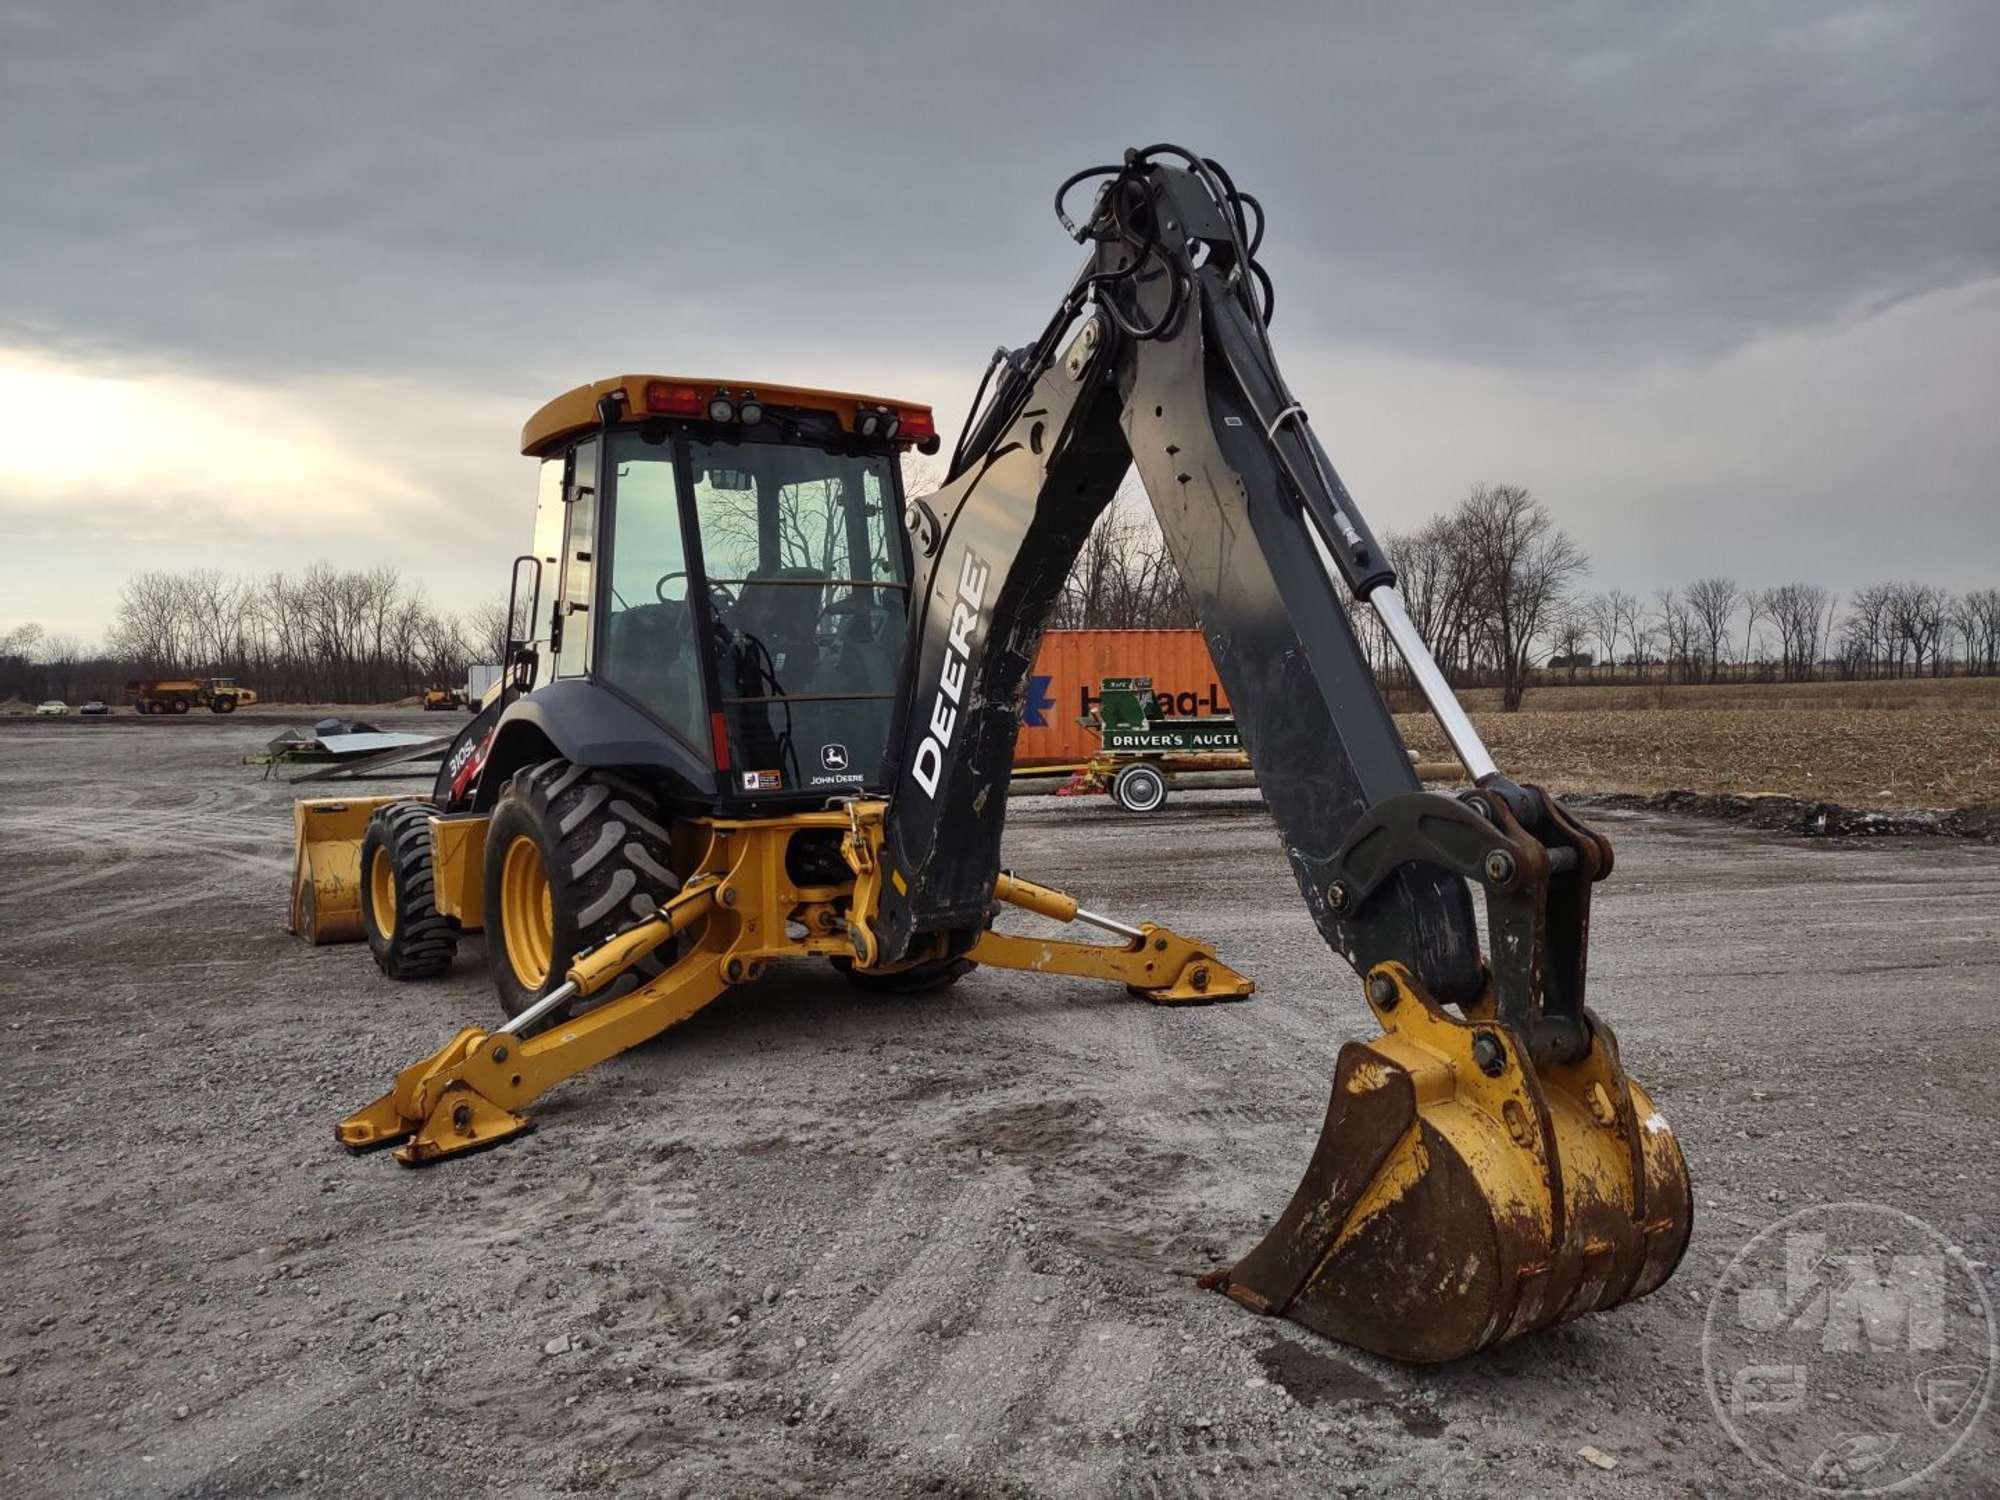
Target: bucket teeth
point(1450, 1206)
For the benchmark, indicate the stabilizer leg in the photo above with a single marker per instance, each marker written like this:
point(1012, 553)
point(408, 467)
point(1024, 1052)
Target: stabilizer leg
point(468, 1095)
point(1154, 963)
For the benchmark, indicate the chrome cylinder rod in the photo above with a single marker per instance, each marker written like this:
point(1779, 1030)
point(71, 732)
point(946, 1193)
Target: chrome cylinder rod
point(1107, 924)
point(1465, 740)
point(560, 995)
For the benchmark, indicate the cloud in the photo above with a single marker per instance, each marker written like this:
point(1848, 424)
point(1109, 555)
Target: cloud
point(108, 469)
point(369, 187)
point(1842, 454)
point(1640, 258)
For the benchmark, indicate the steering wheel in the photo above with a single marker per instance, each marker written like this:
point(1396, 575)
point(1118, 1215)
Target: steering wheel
point(718, 592)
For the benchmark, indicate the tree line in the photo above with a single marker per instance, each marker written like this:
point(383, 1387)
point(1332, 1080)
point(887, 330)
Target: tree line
point(325, 635)
point(1494, 588)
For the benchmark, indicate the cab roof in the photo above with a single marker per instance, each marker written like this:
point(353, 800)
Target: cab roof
point(575, 411)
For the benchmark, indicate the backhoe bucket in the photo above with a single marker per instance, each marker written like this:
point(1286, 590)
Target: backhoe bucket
point(326, 867)
point(1462, 1195)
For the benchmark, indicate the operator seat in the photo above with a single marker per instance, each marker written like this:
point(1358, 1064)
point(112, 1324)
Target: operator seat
point(781, 607)
point(650, 654)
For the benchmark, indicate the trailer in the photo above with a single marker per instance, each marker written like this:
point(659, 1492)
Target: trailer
point(480, 680)
point(1141, 743)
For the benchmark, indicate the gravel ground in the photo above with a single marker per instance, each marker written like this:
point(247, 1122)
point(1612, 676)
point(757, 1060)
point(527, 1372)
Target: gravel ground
point(812, 1243)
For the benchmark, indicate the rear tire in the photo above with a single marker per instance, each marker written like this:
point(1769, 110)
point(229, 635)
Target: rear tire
point(1140, 787)
point(593, 842)
point(180, 705)
point(399, 914)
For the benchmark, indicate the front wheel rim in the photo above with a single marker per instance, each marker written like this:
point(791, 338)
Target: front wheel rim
point(382, 892)
point(527, 913)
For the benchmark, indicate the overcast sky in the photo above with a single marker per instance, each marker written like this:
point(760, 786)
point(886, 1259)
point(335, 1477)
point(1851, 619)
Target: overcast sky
point(280, 283)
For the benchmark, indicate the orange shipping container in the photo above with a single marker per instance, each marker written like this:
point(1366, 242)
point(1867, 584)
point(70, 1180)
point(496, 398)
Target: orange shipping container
point(1063, 685)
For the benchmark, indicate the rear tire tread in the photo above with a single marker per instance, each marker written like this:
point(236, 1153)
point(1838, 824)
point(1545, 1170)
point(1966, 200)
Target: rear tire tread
point(614, 865)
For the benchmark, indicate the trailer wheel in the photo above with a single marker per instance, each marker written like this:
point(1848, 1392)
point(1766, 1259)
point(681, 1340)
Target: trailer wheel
point(573, 856)
point(1140, 787)
point(399, 914)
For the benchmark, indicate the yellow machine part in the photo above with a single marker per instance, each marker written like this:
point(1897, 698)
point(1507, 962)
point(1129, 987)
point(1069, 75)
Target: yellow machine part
point(458, 860)
point(738, 910)
point(1460, 1195)
point(326, 867)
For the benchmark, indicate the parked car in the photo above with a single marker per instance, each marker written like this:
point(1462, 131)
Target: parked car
point(94, 709)
point(51, 708)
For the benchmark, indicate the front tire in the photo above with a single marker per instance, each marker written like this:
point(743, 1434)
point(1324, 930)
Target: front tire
point(224, 705)
point(399, 914)
point(573, 857)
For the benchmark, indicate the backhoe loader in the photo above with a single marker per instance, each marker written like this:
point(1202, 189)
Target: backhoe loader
point(764, 708)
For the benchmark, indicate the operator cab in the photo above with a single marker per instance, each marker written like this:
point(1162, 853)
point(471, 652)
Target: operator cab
point(721, 588)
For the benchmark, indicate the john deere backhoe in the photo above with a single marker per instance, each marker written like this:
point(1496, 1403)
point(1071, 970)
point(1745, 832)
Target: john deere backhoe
point(767, 710)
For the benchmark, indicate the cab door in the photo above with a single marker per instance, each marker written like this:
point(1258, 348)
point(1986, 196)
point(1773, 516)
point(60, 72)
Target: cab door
point(574, 624)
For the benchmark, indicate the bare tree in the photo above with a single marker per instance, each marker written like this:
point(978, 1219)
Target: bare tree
point(1607, 614)
point(488, 630)
point(1674, 622)
point(1520, 568)
point(1632, 612)
point(1570, 634)
point(60, 656)
point(1917, 614)
point(1802, 613)
point(1865, 634)
point(1124, 578)
point(1711, 606)
point(1431, 574)
point(1979, 619)
point(1756, 606)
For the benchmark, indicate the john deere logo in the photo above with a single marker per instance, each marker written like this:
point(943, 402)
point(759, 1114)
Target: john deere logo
point(833, 757)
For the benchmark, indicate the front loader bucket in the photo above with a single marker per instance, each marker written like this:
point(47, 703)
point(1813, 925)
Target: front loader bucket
point(326, 867)
point(1461, 1195)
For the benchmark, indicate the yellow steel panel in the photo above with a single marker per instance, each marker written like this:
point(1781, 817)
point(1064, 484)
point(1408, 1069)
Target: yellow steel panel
point(458, 861)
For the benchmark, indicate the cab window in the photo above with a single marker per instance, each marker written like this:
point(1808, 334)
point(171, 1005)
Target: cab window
point(579, 562)
point(649, 644)
point(807, 588)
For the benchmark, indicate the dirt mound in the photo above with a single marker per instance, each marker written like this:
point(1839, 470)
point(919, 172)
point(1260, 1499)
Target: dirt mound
point(1809, 818)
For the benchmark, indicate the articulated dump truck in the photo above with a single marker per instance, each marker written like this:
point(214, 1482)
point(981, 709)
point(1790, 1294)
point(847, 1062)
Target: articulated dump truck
point(765, 714)
point(179, 694)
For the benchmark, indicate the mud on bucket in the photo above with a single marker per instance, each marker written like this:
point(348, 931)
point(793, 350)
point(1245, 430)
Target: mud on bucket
point(1460, 1195)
